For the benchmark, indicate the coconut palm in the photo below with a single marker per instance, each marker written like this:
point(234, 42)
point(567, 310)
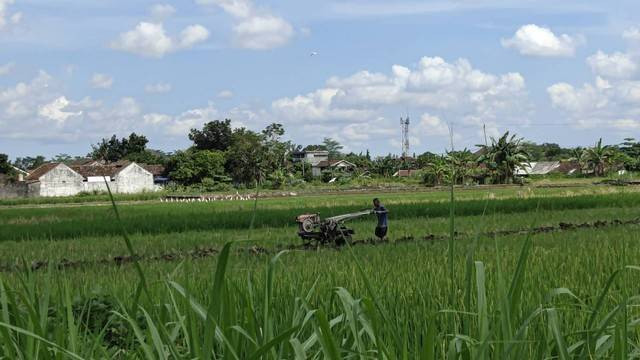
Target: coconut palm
point(598, 158)
point(503, 156)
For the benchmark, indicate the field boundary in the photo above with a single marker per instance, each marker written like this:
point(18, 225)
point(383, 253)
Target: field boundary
point(205, 252)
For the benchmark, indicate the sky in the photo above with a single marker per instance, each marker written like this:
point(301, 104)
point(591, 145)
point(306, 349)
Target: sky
point(75, 71)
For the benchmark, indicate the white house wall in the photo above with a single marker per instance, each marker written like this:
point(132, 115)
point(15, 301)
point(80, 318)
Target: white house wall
point(61, 181)
point(134, 179)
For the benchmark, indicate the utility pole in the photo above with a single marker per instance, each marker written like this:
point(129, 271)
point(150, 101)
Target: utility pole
point(484, 130)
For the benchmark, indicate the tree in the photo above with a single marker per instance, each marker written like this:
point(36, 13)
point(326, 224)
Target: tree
point(503, 156)
point(436, 171)
point(215, 135)
point(28, 162)
point(245, 157)
point(114, 149)
point(65, 158)
point(463, 164)
point(598, 158)
point(273, 132)
point(5, 165)
point(193, 166)
point(333, 147)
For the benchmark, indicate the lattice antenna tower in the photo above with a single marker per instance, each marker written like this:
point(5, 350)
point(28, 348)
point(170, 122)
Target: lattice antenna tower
point(404, 124)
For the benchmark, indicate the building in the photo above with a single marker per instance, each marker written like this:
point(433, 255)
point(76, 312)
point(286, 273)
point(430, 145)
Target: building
point(312, 157)
point(334, 165)
point(58, 179)
point(548, 167)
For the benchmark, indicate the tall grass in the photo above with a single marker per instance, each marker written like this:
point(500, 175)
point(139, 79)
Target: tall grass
point(242, 319)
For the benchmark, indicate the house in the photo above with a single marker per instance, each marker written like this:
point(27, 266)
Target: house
point(548, 167)
point(339, 165)
point(21, 173)
point(58, 179)
point(312, 157)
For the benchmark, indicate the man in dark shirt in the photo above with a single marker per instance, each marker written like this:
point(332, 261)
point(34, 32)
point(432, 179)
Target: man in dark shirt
point(381, 212)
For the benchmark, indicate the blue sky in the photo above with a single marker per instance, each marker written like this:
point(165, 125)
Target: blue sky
point(72, 72)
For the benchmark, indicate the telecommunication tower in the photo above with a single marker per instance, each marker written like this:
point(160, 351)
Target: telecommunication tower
point(404, 124)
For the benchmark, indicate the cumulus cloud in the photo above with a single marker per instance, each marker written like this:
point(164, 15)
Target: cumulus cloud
point(602, 103)
point(435, 85)
point(255, 29)
point(616, 65)
point(362, 107)
point(632, 34)
point(181, 124)
point(158, 88)
point(101, 81)
point(55, 110)
point(225, 94)
point(162, 11)
point(6, 68)
point(151, 40)
point(430, 125)
point(7, 17)
point(535, 40)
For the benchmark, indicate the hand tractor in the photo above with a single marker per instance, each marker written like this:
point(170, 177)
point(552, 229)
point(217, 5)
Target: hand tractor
point(313, 229)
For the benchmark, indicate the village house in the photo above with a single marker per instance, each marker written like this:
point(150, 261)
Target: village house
point(58, 179)
point(319, 161)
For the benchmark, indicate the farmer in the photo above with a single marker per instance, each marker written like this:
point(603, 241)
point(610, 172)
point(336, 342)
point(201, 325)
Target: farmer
point(381, 213)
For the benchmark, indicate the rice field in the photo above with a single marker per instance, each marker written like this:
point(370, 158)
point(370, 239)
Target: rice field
point(514, 273)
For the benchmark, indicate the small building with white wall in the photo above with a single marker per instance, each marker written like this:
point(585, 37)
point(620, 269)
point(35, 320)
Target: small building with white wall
point(58, 179)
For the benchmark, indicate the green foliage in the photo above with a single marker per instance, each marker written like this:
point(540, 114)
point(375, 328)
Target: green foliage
point(114, 149)
point(215, 135)
point(5, 165)
point(193, 166)
point(28, 162)
point(504, 156)
point(245, 157)
point(598, 158)
point(333, 147)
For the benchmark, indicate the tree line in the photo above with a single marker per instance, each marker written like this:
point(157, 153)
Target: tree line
point(221, 156)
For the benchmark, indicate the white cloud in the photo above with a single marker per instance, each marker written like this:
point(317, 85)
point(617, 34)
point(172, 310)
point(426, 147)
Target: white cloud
point(627, 124)
point(192, 35)
point(225, 94)
point(6, 17)
point(158, 88)
point(632, 34)
point(6, 68)
point(101, 81)
point(254, 29)
point(616, 65)
point(434, 86)
point(147, 39)
point(535, 40)
point(262, 32)
point(181, 124)
point(162, 11)
point(150, 38)
point(55, 110)
point(602, 103)
point(430, 125)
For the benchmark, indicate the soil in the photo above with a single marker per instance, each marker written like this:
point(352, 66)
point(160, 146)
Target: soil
point(205, 252)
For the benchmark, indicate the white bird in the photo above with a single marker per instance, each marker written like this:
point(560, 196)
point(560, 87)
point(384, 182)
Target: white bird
point(314, 53)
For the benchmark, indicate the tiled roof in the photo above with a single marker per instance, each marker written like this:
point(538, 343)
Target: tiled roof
point(41, 170)
point(156, 170)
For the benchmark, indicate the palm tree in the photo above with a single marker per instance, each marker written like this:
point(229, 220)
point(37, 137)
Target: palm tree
point(504, 156)
point(462, 162)
point(598, 158)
